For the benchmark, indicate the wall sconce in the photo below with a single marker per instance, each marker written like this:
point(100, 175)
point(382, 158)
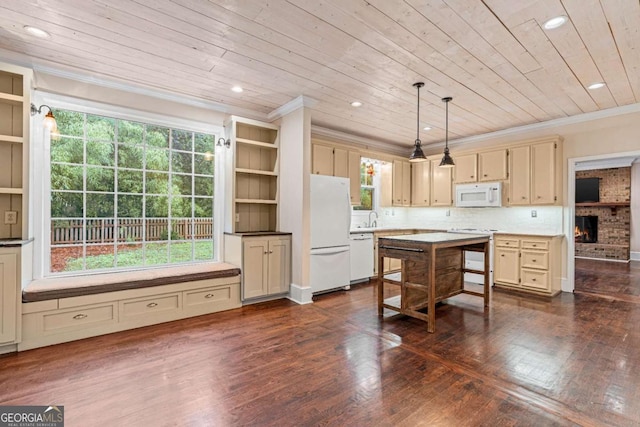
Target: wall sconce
point(225, 142)
point(49, 121)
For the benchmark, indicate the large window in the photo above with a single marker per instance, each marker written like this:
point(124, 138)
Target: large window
point(127, 194)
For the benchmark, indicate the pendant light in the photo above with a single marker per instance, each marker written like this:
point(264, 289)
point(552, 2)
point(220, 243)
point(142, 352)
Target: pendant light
point(447, 161)
point(418, 155)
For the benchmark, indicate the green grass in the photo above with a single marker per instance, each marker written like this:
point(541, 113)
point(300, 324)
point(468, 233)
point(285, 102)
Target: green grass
point(155, 254)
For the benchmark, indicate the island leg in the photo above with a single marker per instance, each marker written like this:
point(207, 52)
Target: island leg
point(431, 324)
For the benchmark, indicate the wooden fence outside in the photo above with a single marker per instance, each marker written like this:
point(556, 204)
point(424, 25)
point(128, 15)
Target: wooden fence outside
point(104, 230)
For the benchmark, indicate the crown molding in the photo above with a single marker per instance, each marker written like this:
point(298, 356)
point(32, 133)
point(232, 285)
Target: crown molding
point(296, 103)
point(548, 125)
point(339, 136)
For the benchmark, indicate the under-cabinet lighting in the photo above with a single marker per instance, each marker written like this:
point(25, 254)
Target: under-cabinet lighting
point(596, 85)
point(356, 104)
point(237, 89)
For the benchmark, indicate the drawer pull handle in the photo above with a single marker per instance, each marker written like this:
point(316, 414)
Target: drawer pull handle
point(80, 316)
point(207, 296)
point(533, 260)
point(152, 304)
point(534, 279)
point(534, 245)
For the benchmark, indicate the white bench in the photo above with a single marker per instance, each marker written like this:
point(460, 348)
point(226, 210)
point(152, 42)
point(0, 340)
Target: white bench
point(61, 309)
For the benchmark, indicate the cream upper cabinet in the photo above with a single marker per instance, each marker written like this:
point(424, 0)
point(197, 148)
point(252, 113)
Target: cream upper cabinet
point(543, 173)
point(401, 183)
point(533, 174)
point(386, 185)
point(466, 169)
point(336, 161)
point(441, 188)
point(341, 162)
point(420, 183)
point(322, 160)
point(492, 165)
point(354, 177)
point(519, 176)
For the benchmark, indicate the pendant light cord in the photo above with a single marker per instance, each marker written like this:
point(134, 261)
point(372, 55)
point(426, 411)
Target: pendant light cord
point(418, 116)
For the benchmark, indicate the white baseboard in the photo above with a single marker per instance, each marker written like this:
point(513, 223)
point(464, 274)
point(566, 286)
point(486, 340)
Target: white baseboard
point(564, 285)
point(300, 295)
point(635, 256)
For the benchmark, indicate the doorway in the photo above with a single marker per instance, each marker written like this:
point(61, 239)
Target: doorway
point(593, 162)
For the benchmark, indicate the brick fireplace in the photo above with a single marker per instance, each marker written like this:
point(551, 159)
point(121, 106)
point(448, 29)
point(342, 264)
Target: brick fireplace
point(612, 216)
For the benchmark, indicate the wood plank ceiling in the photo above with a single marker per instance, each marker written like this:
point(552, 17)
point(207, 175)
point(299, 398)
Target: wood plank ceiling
point(493, 56)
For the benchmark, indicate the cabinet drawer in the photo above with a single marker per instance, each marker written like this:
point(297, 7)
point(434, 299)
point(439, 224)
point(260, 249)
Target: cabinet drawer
point(209, 296)
point(536, 279)
point(507, 242)
point(78, 319)
point(542, 245)
point(535, 259)
point(130, 309)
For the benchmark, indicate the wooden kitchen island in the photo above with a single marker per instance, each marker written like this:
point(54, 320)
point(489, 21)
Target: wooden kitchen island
point(433, 267)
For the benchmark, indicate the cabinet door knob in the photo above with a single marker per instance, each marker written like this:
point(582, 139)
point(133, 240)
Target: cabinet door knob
point(485, 175)
point(523, 197)
point(472, 176)
point(533, 280)
point(533, 260)
point(502, 255)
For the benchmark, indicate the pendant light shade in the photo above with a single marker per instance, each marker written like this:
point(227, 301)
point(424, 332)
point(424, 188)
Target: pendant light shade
point(418, 155)
point(447, 161)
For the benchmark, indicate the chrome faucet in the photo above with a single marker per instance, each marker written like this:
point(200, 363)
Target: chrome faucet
point(373, 223)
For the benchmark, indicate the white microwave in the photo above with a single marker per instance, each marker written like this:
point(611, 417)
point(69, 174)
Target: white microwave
point(480, 195)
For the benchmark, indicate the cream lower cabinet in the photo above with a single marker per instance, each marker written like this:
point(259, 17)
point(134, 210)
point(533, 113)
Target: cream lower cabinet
point(265, 262)
point(8, 297)
point(528, 263)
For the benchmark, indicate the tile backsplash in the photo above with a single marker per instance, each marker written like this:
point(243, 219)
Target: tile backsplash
point(548, 219)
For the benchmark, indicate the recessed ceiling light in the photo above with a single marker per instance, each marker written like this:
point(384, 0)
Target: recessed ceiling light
point(237, 89)
point(36, 32)
point(556, 22)
point(356, 104)
point(426, 128)
point(596, 85)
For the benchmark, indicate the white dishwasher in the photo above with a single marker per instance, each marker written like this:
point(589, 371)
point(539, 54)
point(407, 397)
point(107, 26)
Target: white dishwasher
point(361, 248)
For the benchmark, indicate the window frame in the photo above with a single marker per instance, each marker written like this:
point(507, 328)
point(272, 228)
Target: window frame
point(41, 188)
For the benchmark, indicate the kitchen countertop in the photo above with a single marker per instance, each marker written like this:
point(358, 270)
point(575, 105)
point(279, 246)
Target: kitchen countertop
point(260, 233)
point(14, 243)
point(390, 228)
point(506, 233)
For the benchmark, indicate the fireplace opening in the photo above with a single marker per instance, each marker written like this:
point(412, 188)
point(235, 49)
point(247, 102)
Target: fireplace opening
point(586, 229)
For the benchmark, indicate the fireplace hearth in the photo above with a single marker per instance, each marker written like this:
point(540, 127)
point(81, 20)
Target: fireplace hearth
point(586, 229)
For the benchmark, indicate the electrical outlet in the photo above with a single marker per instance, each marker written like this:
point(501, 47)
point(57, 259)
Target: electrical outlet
point(10, 217)
point(237, 217)
point(534, 214)
point(448, 212)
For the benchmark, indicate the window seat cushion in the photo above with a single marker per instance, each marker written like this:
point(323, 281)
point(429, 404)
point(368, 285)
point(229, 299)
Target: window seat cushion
point(66, 287)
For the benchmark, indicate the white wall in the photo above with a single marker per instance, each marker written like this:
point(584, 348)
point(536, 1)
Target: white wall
point(293, 207)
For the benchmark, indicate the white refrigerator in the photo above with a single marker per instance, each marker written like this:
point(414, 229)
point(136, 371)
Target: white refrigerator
point(330, 225)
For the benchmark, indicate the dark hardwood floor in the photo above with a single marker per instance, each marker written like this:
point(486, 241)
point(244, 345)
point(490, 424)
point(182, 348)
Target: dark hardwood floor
point(570, 360)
